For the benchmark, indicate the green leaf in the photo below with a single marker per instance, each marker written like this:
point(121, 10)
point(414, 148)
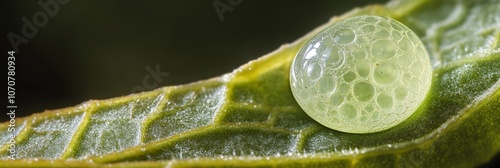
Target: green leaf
point(250, 118)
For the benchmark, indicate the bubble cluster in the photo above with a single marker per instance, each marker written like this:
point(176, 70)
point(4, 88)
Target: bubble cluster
point(361, 75)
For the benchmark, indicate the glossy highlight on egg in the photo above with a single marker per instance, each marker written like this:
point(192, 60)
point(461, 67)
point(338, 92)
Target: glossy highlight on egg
point(361, 75)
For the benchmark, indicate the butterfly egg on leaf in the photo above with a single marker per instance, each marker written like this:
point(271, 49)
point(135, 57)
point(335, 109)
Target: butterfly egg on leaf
point(361, 75)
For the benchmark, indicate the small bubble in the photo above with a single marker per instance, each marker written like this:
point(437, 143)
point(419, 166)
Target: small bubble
point(386, 73)
point(406, 45)
point(363, 118)
point(383, 49)
point(362, 41)
point(363, 91)
point(349, 111)
point(389, 119)
point(396, 26)
point(363, 68)
point(384, 24)
point(384, 101)
point(326, 85)
point(344, 36)
point(368, 28)
point(333, 57)
point(336, 99)
point(382, 34)
point(359, 54)
point(349, 76)
point(369, 108)
point(396, 35)
point(416, 69)
point(400, 92)
point(314, 71)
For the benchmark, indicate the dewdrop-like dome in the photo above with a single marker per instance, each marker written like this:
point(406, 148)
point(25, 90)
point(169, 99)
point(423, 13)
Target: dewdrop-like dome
point(361, 75)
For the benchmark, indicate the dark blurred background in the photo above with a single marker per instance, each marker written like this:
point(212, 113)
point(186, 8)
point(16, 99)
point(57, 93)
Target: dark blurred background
point(101, 49)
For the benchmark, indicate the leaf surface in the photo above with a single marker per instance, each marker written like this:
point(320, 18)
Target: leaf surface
point(249, 117)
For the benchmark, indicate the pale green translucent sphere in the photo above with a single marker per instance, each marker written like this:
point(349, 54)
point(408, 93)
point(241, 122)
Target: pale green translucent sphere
point(361, 75)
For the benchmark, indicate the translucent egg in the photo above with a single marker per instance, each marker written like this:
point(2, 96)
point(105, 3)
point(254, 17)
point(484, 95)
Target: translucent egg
point(361, 75)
